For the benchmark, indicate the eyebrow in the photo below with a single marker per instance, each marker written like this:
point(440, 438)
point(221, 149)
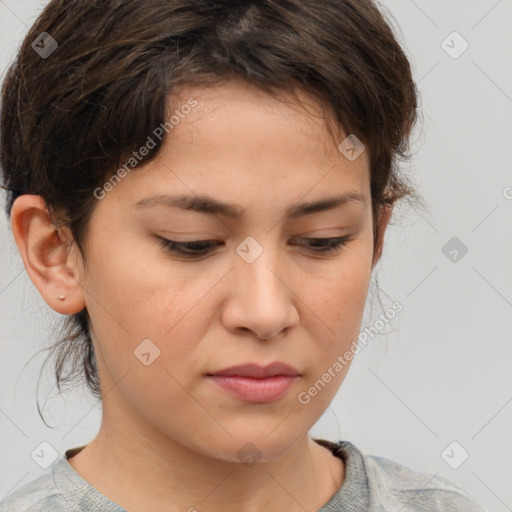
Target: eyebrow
point(209, 205)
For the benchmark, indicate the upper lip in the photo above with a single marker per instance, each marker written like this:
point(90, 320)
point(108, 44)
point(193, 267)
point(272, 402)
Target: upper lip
point(257, 371)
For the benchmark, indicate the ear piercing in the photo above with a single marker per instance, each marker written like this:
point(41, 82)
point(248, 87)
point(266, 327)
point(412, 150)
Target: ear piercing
point(61, 297)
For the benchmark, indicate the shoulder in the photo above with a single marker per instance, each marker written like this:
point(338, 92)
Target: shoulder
point(40, 495)
point(379, 484)
point(397, 485)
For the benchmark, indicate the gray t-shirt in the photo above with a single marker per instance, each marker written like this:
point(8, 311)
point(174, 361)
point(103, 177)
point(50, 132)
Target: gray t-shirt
point(371, 484)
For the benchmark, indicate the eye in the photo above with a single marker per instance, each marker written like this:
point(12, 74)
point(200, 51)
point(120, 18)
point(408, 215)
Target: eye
point(326, 245)
point(199, 248)
point(190, 249)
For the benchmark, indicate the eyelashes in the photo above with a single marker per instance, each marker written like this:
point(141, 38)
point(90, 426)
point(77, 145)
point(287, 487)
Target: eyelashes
point(199, 248)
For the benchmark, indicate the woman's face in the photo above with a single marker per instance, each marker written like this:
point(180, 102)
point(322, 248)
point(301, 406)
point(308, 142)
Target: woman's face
point(162, 321)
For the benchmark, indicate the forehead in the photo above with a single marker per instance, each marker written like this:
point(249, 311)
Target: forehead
point(242, 145)
point(239, 102)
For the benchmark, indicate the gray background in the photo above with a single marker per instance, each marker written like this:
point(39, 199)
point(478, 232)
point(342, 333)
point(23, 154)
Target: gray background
point(441, 373)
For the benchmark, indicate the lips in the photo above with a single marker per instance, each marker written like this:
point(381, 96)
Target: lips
point(254, 383)
point(256, 371)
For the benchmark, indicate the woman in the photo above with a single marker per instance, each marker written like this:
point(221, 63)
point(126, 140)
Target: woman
point(203, 189)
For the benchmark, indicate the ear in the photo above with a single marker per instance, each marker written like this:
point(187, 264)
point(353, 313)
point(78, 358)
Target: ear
point(384, 217)
point(48, 254)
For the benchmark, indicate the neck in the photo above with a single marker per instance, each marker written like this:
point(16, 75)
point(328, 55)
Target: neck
point(141, 470)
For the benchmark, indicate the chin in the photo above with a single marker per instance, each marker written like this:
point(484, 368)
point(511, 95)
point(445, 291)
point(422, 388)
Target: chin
point(249, 449)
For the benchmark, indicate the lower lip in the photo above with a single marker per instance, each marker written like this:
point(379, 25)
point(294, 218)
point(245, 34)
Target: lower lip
point(255, 390)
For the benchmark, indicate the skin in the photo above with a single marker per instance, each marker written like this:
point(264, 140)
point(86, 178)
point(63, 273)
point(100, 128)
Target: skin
point(169, 438)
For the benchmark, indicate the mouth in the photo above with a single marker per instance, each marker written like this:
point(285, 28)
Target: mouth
point(255, 370)
point(255, 390)
point(254, 383)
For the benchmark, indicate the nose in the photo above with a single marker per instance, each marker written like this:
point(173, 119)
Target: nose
point(260, 297)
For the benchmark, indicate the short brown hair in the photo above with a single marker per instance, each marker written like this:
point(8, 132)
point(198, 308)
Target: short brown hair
point(69, 120)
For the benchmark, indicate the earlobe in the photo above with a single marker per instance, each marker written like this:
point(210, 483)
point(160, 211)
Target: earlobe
point(384, 217)
point(46, 255)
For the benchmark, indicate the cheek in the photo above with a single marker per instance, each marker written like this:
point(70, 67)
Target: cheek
point(338, 311)
point(338, 302)
point(166, 303)
point(340, 294)
point(136, 286)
